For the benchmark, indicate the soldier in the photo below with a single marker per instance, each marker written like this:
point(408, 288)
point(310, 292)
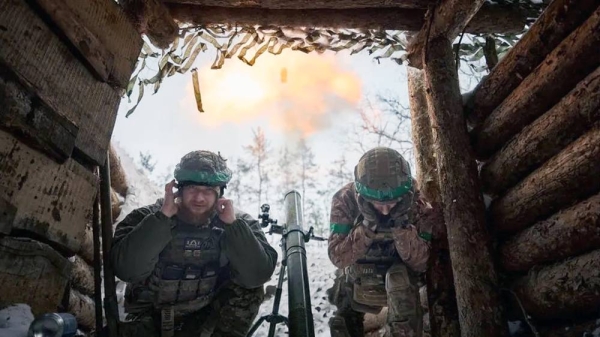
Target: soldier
point(194, 266)
point(376, 243)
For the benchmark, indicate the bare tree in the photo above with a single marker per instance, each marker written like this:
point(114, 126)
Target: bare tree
point(287, 165)
point(259, 151)
point(240, 173)
point(147, 162)
point(307, 168)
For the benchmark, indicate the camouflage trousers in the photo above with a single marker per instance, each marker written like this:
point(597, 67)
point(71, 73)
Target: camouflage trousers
point(404, 319)
point(230, 314)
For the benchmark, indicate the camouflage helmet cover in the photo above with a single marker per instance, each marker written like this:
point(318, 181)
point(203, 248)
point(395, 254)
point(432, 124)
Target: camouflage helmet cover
point(382, 174)
point(203, 167)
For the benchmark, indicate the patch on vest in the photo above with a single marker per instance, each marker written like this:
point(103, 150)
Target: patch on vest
point(199, 244)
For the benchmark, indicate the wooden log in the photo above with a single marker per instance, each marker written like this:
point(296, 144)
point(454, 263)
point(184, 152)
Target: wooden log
point(443, 315)
point(151, 17)
point(468, 240)
point(568, 233)
point(541, 140)
point(446, 20)
point(51, 200)
point(32, 50)
point(82, 276)
point(491, 18)
point(102, 35)
point(25, 115)
point(82, 307)
point(569, 176)
point(557, 21)
point(118, 178)
point(32, 272)
point(569, 289)
point(310, 4)
point(568, 64)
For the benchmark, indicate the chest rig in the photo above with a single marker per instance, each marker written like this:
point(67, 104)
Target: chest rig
point(188, 271)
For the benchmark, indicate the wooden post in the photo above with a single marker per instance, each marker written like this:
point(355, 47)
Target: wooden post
point(475, 281)
point(443, 313)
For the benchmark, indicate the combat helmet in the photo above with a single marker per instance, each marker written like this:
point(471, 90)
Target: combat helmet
point(202, 168)
point(383, 175)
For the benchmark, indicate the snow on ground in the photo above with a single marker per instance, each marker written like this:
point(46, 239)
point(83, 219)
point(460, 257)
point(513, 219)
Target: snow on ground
point(15, 320)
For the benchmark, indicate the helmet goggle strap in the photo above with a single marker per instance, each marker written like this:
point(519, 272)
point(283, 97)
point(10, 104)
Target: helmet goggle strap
point(383, 196)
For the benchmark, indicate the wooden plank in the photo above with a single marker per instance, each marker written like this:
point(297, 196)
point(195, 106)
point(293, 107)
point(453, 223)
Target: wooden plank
point(32, 272)
point(40, 58)
point(52, 200)
point(26, 116)
point(446, 20)
point(310, 4)
point(101, 33)
point(557, 21)
point(509, 20)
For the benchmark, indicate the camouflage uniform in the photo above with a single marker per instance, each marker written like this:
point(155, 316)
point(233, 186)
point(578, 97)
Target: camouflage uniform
point(380, 258)
point(208, 277)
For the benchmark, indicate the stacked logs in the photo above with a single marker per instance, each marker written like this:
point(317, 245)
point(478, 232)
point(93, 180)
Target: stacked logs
point(536, 126)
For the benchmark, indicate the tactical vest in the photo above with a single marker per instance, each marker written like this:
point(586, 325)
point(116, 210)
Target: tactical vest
point(188, 271)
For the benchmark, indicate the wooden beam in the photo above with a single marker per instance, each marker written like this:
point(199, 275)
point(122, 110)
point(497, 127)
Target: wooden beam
point(151, 17)
point(310, 4)
point(490, 20)
point(557, 21)
point(446, 20)
point(475, 278)
point(441, 297)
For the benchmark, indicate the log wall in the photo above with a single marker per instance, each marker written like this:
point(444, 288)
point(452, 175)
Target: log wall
point(64, 65)
point(536, 121)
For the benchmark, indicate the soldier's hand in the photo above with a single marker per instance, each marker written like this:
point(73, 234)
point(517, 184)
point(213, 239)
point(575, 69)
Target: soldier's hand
point(362, 236)
point(225, 211)
point(169, 207)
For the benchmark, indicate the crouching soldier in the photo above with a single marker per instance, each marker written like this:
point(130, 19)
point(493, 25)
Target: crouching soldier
point(376, 243)
point(194, 266)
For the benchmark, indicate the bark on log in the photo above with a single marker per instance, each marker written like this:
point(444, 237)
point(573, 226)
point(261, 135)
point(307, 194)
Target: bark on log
point(82, 276)
point(568, 64)
point(569, 176)
point(447, 20)
point(493, 18)
point(310, 4)
point(151, 17)
point(557, 21)
point(566, 121)
point(82, 307)
point(568, 233)
point(118, 178)
point(469, 243)
point(443, 315)
point(568, 289)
